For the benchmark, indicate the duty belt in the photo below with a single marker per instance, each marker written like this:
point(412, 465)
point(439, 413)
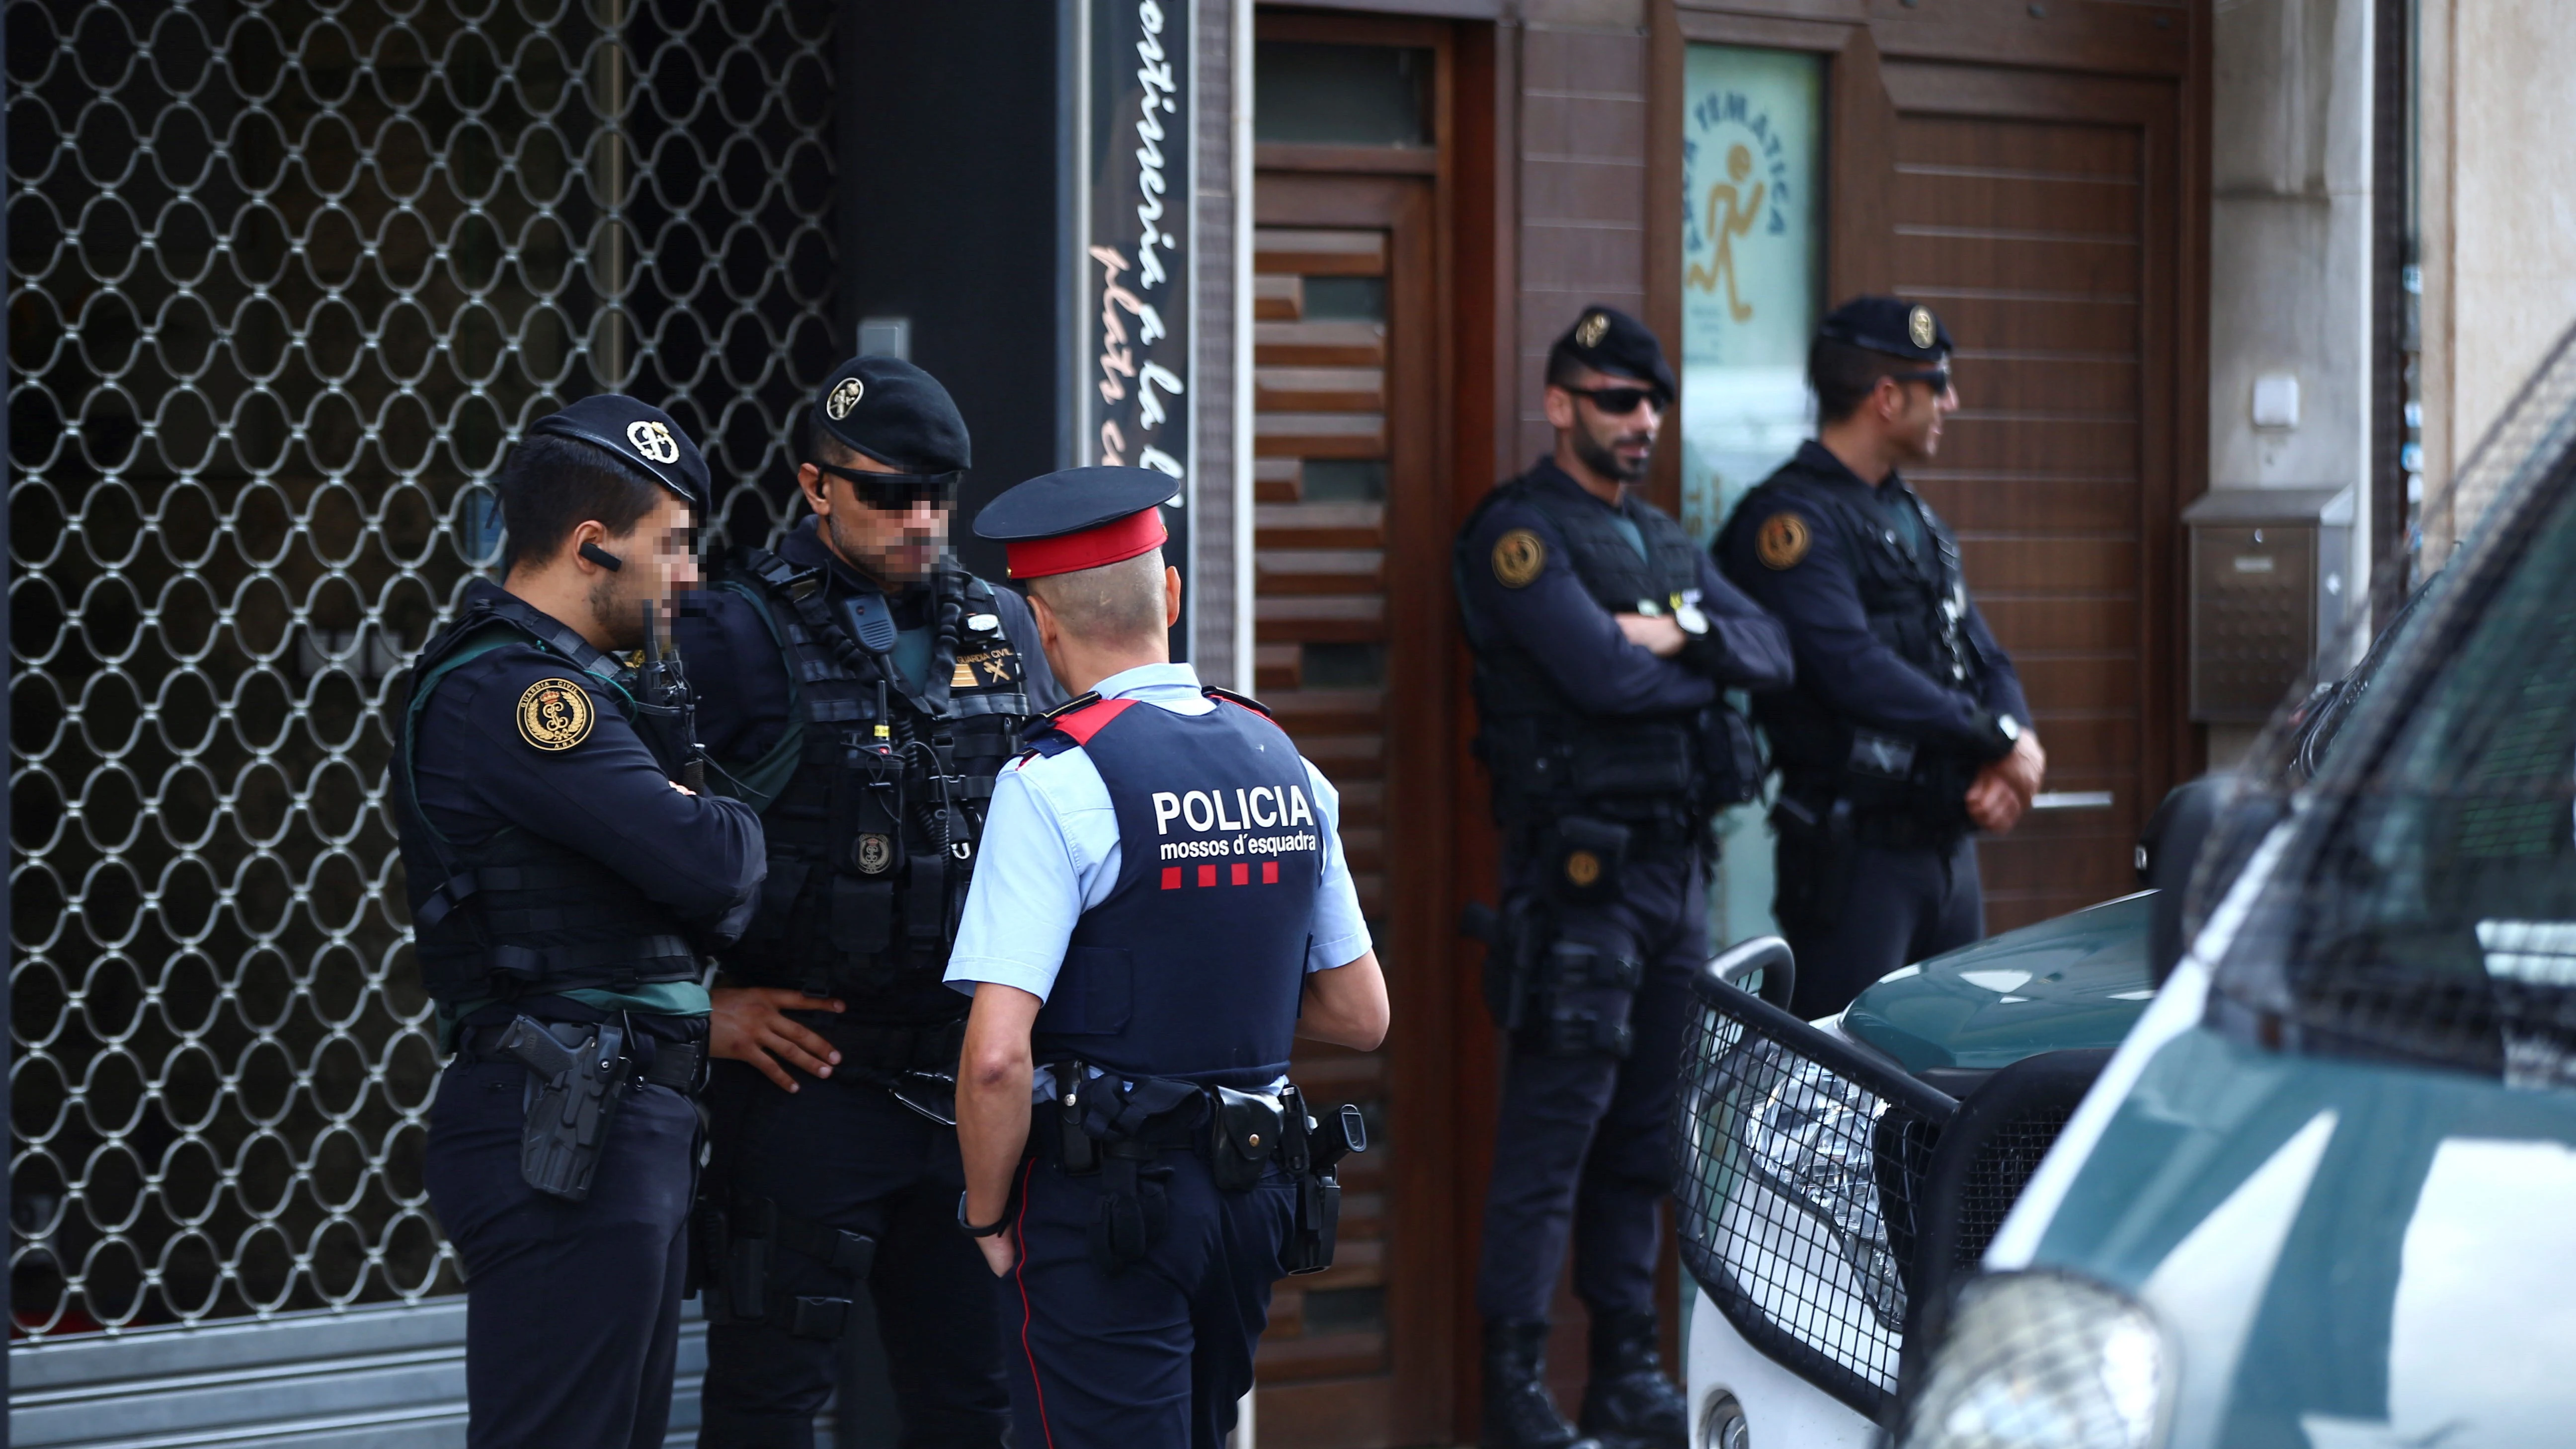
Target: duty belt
point(874, 1048)
point(678, 1065)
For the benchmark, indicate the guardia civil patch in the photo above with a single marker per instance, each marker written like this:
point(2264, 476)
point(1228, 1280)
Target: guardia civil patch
point(1782, 542)
point(1582, 868)
point(1518, 557)
point(554, 714)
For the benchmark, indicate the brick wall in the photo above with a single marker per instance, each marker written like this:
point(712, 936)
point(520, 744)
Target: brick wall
point(1582, 180)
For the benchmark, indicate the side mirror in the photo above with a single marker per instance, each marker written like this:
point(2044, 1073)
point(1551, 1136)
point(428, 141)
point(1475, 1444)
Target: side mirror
point(2167, 850)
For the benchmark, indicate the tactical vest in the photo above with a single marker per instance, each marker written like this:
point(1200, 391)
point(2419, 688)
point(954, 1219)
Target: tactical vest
point(1917, 607)
point(1550, 756)
point(1193, 967)
point(873, 800)
point(517, 915)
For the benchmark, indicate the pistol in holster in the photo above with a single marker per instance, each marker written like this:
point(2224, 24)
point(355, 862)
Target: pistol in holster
point(1514, 937)
point(571, 1102)
point(1311, 1154)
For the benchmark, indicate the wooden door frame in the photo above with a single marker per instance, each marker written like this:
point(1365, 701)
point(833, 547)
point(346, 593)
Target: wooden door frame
point(1427, 1275)
point(2112, 64)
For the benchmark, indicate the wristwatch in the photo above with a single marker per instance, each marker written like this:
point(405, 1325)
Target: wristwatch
point(988, 1230)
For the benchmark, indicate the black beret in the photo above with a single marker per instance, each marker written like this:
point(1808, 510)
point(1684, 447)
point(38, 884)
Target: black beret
point(1078, 518)
point(641, 436)
point(1606, 339)
point(1888, 324)
point(895, 413)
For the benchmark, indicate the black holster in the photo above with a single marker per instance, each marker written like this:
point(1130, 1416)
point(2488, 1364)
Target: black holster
point(573, 1096)
point(742, 1240)
point(1310, 1154)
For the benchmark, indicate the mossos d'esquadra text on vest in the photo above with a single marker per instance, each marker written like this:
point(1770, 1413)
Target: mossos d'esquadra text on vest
point(1282, 807)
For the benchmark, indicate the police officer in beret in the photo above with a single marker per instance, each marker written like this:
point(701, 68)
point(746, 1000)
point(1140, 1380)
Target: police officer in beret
point(1604, 641)
point(564, 883)
point(1907, 729)
point(859, 688)
point(1164, 902)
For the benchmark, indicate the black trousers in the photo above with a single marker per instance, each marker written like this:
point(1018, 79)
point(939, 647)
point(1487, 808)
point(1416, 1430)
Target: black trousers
point(844, 1154)
point(1896, 907)
point(1583, 1151)
point(572, 1310)
point(1156, 1354)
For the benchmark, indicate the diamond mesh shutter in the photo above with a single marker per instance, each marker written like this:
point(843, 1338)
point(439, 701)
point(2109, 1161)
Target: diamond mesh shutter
point(286, 280)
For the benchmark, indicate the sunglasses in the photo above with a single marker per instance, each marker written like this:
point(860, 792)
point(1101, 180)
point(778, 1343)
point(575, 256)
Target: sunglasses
point(1618, 402)
point(1939, 377)
point(897, 492)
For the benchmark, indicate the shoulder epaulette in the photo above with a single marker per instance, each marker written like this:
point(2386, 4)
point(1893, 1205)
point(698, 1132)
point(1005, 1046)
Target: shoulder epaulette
point(1084, 700)
point(1230, 697)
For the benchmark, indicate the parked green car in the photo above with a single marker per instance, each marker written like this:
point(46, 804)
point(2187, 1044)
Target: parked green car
point(2323, 1193)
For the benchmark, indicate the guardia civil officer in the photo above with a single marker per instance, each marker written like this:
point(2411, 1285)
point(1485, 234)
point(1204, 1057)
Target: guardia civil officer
point(1163, 903)
point(860, 688)
point(1603, 642)
point(1907, 728)
point(564, 885)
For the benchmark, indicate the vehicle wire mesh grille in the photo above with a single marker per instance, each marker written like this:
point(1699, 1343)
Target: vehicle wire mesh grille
point(286, 281)
point(1995, 1177)
point(1799, 1175)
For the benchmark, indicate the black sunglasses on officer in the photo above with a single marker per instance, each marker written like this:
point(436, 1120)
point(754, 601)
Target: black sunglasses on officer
point(1620, 401)
point(896, 492)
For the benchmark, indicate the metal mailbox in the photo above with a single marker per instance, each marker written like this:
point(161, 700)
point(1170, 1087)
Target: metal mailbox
point(2269, 583)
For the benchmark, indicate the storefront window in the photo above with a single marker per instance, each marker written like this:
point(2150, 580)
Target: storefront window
point(1752, 172)
point(1751, 169)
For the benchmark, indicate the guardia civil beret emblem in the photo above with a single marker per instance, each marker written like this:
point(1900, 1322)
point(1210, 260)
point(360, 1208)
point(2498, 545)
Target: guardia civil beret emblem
point(1918, 325)
point(1592, 329)
point(555, 714)
point(845, 397)
point(1782, 541)
point(1518, 557)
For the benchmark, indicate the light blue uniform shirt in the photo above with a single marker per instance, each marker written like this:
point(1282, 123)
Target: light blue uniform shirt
point(1050, 852)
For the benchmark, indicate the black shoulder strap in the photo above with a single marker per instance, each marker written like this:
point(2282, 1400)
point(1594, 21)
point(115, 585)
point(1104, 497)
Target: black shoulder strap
point(1228, 696)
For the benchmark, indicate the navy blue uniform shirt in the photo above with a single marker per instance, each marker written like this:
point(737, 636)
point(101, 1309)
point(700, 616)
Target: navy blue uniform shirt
point(1578, 643)
point(740, 674)
point(1841, 663)
point(605, 797)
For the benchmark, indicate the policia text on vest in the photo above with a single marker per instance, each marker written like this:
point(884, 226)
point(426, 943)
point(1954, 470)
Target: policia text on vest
point(1141, 947)
point(564, 887)
point(859, 689)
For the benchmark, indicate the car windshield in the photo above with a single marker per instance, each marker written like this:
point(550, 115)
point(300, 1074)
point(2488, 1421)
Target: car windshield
point(2425, 903)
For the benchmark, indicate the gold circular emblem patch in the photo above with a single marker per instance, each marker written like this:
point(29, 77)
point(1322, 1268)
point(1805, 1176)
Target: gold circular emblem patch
point(875, 853)
point(1518, 557)
point(1583, 868)
point(1920, 327)
point(1782, 542)
point(845, 397)
point(1592, 329)
point(554, 714)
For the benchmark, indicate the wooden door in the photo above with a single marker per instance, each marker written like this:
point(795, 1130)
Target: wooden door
point(1350, 551)
point(2026, 210)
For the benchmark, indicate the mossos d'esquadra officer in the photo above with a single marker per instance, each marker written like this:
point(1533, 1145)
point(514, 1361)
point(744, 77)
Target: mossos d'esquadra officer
point(565, 882)
point(1163, 903)
point(1604, 641)
point(1907, 728)
point(860, 688)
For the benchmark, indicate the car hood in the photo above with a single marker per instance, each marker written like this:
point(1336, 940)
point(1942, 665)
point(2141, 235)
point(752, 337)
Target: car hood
point(2345, 1255)
point(2073, 981)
